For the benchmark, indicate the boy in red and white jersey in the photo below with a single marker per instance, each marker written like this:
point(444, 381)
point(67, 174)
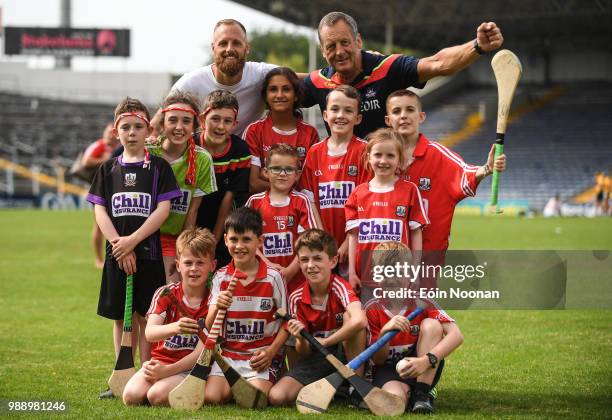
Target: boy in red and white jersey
point(176, 345)
point(424, 342)
point(252, 337)
point(334, 166)
point(442, 176)
point(285, 213)
point(327, 308)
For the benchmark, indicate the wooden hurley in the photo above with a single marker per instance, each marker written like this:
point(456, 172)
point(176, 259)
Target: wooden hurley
point(380, 403)
point(245, 394)
point(507, 69)
point(189, 394)
point(315, 397)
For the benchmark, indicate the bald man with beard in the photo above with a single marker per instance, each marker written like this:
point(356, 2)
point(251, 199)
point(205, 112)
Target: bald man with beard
point(230, 71)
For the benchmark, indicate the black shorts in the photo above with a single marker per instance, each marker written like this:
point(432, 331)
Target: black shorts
point(315, 366)
point(387, 372)
point(148, 278)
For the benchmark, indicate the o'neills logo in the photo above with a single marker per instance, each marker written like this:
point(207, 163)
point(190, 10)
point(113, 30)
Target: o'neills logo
point(131, 204)
point(278, 244)
point(334, 194)
point(380, 230)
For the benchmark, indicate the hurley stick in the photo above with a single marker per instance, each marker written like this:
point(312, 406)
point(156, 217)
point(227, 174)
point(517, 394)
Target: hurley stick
point(315, 397)
point(245, 394)
point(124, 366)
point(507, 69)
point(380, 403)
point(189, 394)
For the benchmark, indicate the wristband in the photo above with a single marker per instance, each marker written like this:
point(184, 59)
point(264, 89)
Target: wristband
point(477, 48)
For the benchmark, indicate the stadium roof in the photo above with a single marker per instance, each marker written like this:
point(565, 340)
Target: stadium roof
point(428, 25)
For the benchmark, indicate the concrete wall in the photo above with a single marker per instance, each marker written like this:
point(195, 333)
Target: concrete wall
point(98, 87)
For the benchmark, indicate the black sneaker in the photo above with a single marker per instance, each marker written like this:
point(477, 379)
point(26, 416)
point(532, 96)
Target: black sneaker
point(422, 403)
point(106, 394)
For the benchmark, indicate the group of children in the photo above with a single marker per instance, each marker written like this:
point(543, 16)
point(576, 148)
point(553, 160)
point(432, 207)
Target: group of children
point(297, 248)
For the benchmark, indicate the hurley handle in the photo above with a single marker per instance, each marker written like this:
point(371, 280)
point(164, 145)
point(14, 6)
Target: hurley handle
point(365, 355)
point(127, 314)
point(181, 308)
point(499, 150)
point(282, 314)
point(220, 318)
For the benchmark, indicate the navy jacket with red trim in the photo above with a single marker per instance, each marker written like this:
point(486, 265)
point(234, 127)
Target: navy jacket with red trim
point(382, 75)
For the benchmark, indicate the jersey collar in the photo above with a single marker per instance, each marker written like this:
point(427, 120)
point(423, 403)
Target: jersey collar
point(262, 270)
point(307, 296)
point(421, 146)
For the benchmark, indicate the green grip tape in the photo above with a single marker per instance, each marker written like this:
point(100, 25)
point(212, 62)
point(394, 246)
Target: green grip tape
point(499, 150)
point(127, 315)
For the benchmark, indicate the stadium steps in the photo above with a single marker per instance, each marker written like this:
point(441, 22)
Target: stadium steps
point(555, 148)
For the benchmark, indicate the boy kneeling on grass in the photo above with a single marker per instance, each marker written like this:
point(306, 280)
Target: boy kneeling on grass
point(253, 337)
point(327, 307)
point(176, 345)
point(422, 344)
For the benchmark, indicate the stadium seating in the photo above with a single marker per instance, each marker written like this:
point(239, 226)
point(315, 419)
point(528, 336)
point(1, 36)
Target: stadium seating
point(52, 129)
point(552, 149)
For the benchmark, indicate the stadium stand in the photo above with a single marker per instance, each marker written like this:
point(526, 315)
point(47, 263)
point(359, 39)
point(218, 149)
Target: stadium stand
point(35, 129)
point(575, 127)
point(552, 149)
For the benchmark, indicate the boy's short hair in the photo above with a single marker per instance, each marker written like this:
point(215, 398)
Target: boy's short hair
point(390, 253)
point(404, 92)
point(244, 219)
point(283, 150)
point(198, 241)
point(349, 92)
point(318, 240)
point(218, 99)
point(131, 105)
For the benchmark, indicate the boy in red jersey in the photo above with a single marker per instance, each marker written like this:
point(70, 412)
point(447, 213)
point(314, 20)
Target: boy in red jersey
point(175, 341)
point(253, 336)
point(424, 342)
point(327, 308)
point(442, 176)
point(334, 166)
point(285, 213)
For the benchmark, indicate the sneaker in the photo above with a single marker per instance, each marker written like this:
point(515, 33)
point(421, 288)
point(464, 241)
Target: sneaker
point(106, 394)
point(422, 403)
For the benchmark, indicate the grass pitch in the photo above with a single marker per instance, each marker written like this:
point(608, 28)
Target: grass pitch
point(513, 364)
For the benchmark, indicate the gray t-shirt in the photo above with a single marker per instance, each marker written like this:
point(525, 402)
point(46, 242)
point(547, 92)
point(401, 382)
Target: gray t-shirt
point(201, 82)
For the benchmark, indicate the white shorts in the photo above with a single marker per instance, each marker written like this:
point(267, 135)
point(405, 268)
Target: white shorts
point(244, 369)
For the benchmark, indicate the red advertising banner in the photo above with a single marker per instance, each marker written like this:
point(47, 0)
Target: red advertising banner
point(67, 42)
